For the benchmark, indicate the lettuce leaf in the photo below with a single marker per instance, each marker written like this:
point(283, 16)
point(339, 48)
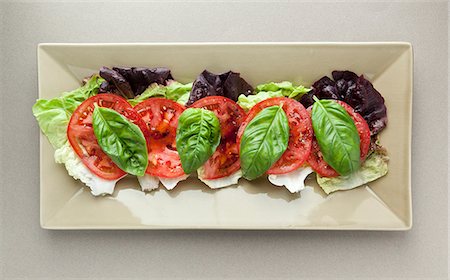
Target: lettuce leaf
point(247, 102)
point(130, 82)
point(184, 98)
point(270, 90)
point(54, 114)
point(229, 84)
point(154, 90)
point(285, 88)
point(357, 92)
point(375, 166)
point(174, 91)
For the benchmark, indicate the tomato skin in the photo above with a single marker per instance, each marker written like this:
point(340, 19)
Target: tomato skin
point(300, 138)
point(82, 138)
point(225, 159)
point(316, 160)
point(161, 118)
point(362, 127)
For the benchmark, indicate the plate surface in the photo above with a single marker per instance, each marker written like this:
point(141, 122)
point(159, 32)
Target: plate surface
point(381, 205)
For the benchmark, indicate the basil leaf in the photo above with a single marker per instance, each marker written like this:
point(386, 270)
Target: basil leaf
point(121, 140)
point(198, 135)
point(336, 135)
point(264, 141)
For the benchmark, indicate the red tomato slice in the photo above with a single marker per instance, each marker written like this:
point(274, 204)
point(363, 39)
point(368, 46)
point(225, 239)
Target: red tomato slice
point(225, 159)
point(316, 159)
point(300, 130)
point(82, 138)
point(161, 117)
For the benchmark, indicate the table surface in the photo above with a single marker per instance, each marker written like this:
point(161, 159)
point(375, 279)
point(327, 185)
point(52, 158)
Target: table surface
point(31, 252)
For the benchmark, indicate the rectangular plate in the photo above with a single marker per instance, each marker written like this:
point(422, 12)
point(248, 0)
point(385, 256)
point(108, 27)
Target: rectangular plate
point(382, 205)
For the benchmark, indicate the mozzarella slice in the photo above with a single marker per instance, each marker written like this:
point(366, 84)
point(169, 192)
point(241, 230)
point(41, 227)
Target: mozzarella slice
point(148, 182)
point(99, 186)
point(294, 181)
point(170, 183)
point(220, 182)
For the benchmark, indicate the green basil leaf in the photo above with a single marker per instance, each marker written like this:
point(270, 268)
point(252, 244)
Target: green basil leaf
point(198, 135)
point(336, 135)
point(264, 141)
point(121, 140)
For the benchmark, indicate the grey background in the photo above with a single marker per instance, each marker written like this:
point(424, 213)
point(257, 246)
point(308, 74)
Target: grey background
point(29, 251)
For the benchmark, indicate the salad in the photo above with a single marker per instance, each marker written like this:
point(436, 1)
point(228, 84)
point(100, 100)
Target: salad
point(138, 121)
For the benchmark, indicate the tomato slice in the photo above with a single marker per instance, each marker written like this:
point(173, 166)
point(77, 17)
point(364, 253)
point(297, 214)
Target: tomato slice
point(300, 130)
point(82, 138)
point(225, 159)
point(161, 117)
point(316, 159)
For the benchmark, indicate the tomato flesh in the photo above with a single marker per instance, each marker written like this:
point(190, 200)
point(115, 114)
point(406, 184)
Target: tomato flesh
point(82, 138)
point(300, 133)
point(161, 117)
point(225, 160)
point(316, 160)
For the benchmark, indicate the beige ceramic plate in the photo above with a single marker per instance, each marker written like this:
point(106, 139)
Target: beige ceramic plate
point(382, 205)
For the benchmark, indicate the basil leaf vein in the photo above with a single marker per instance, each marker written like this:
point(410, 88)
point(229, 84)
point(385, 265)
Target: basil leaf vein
point(264, 141)
point(336, 135)
point(198, 135)
point(121, 140)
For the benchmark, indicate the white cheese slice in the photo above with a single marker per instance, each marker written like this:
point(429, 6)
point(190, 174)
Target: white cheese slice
point(148, 182)
point(171, 183)
point(99, 186)
point(294, 181)
point(220, 182)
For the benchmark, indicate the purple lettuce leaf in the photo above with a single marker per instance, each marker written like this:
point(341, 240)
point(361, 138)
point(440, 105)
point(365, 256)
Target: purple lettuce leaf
point(229, 84)
point(137, 78)
point(369, 103)
point(116, 83)
point(206, 84)
point(356, 91)
point(345, 82)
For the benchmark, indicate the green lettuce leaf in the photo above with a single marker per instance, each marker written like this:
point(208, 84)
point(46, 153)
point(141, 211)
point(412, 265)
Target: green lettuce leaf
point(154, 90)
point(247, 102)
point(270, 90)
point(285, 88)
point(175, 91)
point(375, 166)
point(54, 114)
point(184, 98)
